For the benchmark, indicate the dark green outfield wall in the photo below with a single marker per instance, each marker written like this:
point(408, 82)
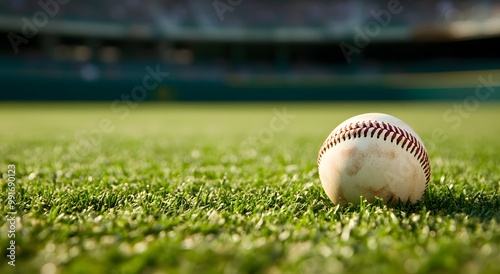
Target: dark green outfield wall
point(35, 88)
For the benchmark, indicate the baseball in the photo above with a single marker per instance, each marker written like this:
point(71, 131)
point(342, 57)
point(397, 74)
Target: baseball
point(373, 155)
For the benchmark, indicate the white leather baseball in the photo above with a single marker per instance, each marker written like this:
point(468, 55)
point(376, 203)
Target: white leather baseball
point(373, 155)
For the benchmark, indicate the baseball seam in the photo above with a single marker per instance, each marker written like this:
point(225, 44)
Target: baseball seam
point(377, 129)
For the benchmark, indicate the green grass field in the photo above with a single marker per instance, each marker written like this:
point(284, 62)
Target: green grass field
point(200, 188)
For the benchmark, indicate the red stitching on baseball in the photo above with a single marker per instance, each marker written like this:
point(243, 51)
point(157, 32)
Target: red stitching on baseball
point(402, 137)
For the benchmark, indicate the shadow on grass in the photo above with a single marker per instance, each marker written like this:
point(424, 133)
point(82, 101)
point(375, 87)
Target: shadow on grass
point(484, 207)
point(480, 205)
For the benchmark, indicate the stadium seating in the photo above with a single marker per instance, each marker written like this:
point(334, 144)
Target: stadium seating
point(202, 46)
point(257, 13)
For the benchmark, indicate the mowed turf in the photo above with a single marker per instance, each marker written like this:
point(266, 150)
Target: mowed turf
point(220, 188)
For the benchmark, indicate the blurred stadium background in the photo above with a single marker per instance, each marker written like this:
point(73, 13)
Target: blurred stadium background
point(227, 50)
